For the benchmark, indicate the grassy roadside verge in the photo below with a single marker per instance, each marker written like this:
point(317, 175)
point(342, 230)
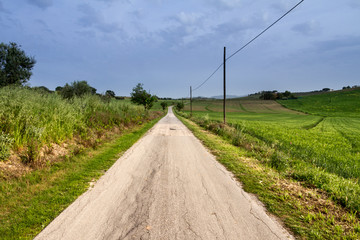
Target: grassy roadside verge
point(307, 212)
point(31, 202)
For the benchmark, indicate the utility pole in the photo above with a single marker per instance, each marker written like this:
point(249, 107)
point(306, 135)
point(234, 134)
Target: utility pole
point(224, 104)
point(190, 101)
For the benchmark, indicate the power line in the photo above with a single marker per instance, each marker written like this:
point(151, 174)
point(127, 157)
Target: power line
point(208, 78)
point(264, 30)
point(247, 44)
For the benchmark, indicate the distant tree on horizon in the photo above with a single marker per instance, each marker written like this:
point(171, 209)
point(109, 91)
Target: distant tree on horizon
point(77, 88)
point(140, 96)
point(110, 93)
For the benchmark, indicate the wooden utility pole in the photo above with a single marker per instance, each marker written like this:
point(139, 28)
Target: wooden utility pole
point(190, 101)
point(224, 104)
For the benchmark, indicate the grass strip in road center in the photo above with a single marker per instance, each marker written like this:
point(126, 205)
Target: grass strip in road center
point(30, 203)
point(307, 212)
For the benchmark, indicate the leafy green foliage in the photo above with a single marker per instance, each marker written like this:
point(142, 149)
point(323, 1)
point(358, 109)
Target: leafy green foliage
point(76, 88)
point(15, 65)
point(179, 106)
point(164, 105)
point(142, 97)
point(110, 93)
point(273, 95)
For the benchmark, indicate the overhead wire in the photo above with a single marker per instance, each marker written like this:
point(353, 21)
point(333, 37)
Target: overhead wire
point(264, 30)
point(208, 77)
point(253, 39)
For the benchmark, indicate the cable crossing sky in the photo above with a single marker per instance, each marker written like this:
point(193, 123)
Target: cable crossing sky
point(248, 43)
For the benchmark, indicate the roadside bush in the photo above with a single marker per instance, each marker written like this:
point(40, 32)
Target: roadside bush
point(179, 106)
point(164, 105)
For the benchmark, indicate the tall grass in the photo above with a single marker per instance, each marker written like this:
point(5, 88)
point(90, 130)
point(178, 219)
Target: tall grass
point(29, 119)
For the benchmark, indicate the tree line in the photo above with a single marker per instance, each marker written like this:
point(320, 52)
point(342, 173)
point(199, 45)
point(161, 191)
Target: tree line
point(274, 95)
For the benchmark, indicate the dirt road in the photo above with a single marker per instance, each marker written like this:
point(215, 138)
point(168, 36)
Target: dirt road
point(167, 186)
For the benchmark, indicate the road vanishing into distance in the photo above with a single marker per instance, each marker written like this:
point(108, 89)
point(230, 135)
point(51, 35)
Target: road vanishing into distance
point(166, 186)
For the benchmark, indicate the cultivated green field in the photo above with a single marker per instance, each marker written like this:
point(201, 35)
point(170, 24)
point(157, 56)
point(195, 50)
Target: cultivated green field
point(321, 149)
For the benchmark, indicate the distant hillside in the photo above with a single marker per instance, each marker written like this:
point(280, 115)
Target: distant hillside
point(338, 103)
point(227, 96)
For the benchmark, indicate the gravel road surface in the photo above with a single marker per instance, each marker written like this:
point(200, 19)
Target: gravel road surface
point(166, 186)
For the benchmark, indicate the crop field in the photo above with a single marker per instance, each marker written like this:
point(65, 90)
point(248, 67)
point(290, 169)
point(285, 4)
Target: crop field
point(344, 103)
point(321, 148)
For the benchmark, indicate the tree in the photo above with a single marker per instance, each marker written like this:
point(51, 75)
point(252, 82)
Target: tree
point(287, 94)
point(77, 88)
point(110, 94)
point(164, 105)
point(42, 89)
point(58, 89)
point(267, 95)
point(139, 96)
point(15, 65)
point(179, 106)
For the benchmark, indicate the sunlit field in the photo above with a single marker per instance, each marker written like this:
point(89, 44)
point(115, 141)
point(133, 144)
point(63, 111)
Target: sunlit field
point(321, 148)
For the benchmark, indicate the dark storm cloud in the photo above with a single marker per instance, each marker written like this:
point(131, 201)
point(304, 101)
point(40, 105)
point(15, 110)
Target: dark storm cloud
point(43, 4)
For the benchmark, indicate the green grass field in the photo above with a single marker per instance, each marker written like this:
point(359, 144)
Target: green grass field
point(320, 149)
point(344, 103)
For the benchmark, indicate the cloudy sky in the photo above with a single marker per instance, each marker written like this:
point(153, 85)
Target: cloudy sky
point(170, 45)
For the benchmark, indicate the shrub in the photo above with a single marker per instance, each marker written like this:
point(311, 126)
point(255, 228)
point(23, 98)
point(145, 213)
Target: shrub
point(179, 106)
